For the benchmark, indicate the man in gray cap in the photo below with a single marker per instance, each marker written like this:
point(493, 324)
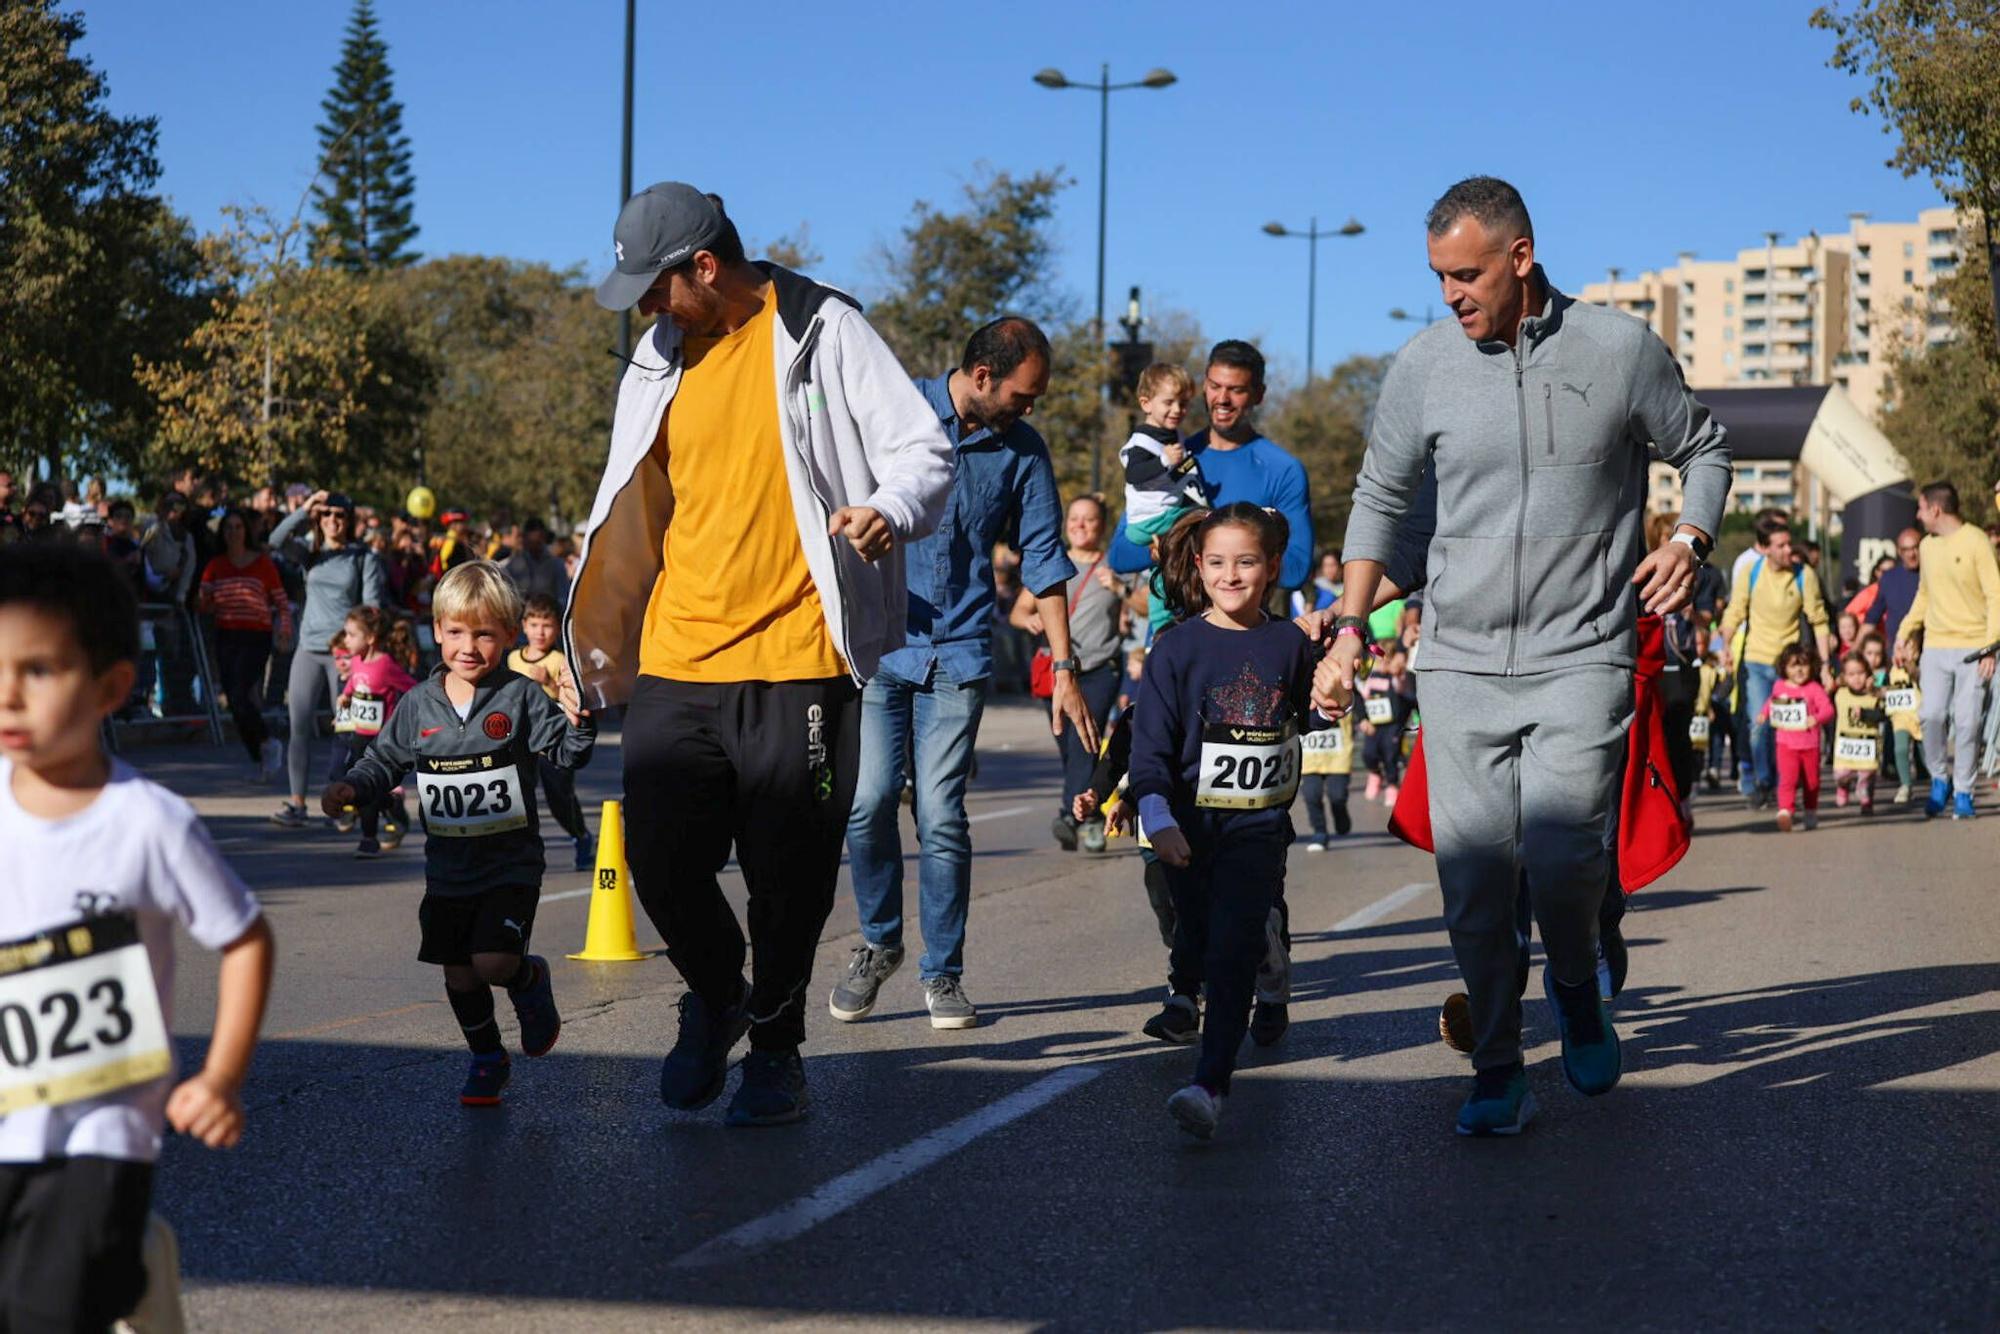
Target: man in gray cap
point(742, 577)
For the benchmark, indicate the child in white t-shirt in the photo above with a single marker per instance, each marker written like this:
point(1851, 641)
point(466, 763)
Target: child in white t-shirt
point(97, 867)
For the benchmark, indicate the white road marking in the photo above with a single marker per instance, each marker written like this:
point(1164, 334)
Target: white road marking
point(566, 894)
point(1383, 906)
point(845, 1191)
point(999, 815)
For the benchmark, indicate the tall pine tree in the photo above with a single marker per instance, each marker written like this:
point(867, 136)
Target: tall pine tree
point(365, 192)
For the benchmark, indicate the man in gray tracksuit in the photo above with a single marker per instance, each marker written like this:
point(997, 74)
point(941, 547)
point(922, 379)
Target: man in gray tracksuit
point(1536, 413)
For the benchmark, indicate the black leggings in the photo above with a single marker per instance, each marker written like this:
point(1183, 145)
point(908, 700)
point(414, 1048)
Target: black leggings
point(1222, 904)
point(240, 659)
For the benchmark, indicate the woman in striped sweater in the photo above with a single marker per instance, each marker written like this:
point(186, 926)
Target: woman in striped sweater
point(241, 589)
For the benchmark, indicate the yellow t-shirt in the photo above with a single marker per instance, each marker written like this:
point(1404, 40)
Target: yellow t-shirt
point(553, 663)
point(1958, 591)
point(1772, 611)
point(1902, 688)
point(734, 600)
point(1856, 744)
point(1330, 750)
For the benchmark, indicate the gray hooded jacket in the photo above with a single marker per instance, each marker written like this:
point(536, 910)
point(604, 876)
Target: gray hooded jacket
point(1540, 451)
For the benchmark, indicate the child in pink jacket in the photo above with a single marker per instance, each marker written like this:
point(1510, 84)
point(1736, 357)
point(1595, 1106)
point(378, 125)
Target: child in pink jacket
point(384, 655)
point(1797, 710)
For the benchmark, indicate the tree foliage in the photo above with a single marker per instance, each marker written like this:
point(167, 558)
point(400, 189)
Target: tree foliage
point(93, 265)
point(1943, 402)
point(365, 197)
point(1325, 424)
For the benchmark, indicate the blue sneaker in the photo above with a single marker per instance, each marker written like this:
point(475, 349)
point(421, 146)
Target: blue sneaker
point(773, 1090)
point(586, 853)
point(535, 1007)
point(1591, 1058)
point(1961, 806)
point(1940, 794)
point(694, 1072)
point(1500, 1103)
point(484, 1081)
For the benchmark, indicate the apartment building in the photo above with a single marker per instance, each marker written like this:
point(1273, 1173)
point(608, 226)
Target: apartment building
point(1812, 310)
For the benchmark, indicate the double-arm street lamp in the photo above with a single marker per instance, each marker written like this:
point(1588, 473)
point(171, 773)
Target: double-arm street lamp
point(1311, 235)
point(1404, 316)
point(1055, 78)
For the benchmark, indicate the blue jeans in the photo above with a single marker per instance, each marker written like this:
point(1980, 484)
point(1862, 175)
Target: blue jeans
point(942, 717)
point(1758, 679)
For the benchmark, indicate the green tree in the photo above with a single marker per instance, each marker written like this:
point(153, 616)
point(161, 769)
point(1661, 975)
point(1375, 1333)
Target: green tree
point(94, 267)
point(1942, 403)
point(365, 194)
point(1933, 68)
point(1325, 424)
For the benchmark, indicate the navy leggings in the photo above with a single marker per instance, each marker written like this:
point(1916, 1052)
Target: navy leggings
point(1222, 905)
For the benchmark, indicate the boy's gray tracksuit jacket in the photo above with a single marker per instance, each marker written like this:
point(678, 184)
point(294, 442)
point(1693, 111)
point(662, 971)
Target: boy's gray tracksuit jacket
point(1540, 452)
point(512, 720)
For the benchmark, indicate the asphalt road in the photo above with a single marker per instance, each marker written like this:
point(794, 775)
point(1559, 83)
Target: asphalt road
point(1807, 1135)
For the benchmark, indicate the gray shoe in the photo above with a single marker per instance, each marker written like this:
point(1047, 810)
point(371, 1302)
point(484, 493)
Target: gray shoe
point(945, 998)
point(868, 968)
point(1091, 834)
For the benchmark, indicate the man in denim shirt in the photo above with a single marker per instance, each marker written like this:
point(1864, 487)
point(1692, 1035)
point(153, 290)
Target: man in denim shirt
point(927, 697)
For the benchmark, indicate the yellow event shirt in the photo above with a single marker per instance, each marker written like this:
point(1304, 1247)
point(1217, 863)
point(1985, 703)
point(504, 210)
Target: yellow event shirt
point(1773, 609)
point(734, 600)
point(1958, 591)
point(552, 663)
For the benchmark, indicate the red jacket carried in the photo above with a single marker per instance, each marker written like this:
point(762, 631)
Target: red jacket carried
point(1652, 831)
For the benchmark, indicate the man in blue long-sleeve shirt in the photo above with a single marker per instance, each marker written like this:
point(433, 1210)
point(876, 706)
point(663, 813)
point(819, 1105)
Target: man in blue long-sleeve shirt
point(1239, 463)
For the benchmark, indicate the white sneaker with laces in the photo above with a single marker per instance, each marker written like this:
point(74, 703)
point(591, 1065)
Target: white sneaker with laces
point(1196, 1110)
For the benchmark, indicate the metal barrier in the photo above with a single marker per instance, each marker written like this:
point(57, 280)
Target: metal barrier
point(177, 683)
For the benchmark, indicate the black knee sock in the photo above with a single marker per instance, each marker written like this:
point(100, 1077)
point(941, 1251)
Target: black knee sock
point(475, 1017)
point(524, 976)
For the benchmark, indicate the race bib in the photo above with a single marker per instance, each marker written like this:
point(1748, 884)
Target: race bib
point(1903, 700)
point(366, 712)
point(79, 1014)
point(1698, 729)
point(1381, 710)
point(1789, 715)
point(1854, 752)
point(470, 798)
point(1248, 768)
point(343, 719)
point(1327, 741)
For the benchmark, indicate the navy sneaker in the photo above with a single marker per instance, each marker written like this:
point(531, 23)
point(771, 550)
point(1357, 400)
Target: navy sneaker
point(1268, 1022)
point(1961, 806)
point(773, 1091)
point(586, 853)
point(1590, 1054)
point(1178, 1022)
point(484, 1081)
point(1940, 794)
point(535, 1007)
point(1500, 1103)
point(693, 1074)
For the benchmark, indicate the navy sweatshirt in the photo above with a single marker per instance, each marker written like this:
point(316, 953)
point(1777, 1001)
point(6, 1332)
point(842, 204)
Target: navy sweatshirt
point(1201, 674)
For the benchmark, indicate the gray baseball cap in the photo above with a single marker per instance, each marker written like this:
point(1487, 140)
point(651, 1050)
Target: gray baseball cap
point(659, 227)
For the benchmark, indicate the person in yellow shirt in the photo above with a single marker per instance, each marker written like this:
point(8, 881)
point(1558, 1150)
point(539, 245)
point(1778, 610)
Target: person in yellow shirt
point(542, 662)
point(1326, 766)
point(1765, 606)
point(1958, 611)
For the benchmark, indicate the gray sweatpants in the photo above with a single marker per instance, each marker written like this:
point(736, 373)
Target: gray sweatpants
point(1953, 698)
point(303, 701)
point(1522, 772)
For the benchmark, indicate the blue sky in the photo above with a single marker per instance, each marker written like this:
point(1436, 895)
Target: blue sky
point(1634, 131)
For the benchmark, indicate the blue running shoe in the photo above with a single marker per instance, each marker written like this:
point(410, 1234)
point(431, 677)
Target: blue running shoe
point(586, 853)
point(484, 1081)
point(1591, 1058)
point(1940, 794)
point(695, 1070)
point(535, 1007)
point(1961, 806)
point(773, 1091)
point(1500, 1103)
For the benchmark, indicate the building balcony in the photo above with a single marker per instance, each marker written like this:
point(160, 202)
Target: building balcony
point(1789, 361)
point(1794, 287)
point(1790, 310)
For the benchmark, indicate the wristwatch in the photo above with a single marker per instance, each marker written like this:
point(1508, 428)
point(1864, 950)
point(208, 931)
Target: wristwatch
point(1065, 665)
point(1696, 543)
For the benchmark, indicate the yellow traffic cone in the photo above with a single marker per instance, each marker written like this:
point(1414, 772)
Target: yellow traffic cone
point(609, 937)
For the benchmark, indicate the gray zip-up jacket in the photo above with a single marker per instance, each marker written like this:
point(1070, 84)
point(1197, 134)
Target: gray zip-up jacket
point(338, 579)
point(856, 432)
point(475, 776)
point(1540, 450)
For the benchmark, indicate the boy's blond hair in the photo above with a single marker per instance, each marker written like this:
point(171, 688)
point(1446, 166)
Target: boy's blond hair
point(1168, 376)
point(477, 593)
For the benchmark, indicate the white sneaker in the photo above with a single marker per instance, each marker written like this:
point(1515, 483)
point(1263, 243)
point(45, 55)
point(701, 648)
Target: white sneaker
point(1902, 794)
point(1196, 1110)
point(271, 760)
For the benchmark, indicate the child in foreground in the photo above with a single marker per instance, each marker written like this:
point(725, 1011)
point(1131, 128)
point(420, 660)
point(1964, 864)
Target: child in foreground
point(97, 867)
point(1797, 710)
point(1215, 766)
point(544, 664)
point(471, 733)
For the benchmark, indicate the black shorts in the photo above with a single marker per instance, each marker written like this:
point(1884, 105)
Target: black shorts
point(458, 926)
point(72, 1237)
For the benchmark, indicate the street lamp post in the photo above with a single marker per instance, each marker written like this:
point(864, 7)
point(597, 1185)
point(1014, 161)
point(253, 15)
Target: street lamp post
point(625, 171)
point(1403, 316)
point(1311, 235)
point(1055, 78)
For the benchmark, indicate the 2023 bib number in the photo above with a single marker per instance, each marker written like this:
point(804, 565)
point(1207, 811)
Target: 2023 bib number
point(1789, 715)
point(1698, 729)
point(473, 803)
point(1903, 700)
point(79, 1015)
point(1854, 752)
point(1248, 768)
point(365, 712)
point(1381, 710)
